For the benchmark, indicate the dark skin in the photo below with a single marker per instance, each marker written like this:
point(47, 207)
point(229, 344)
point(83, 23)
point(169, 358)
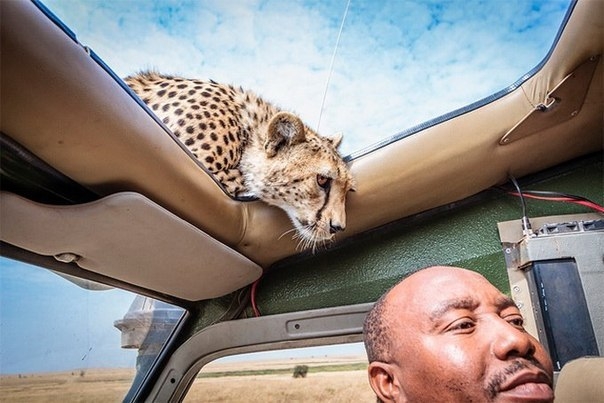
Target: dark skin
point(457, 338)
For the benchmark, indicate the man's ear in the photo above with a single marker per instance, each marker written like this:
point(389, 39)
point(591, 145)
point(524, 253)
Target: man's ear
point(283, 129)
point(384, 382)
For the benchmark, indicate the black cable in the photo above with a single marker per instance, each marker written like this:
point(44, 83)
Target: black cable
point(555, 196)
point(526, 224)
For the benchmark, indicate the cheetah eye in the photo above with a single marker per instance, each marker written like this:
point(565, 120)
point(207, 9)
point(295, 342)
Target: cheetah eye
point(323, 181)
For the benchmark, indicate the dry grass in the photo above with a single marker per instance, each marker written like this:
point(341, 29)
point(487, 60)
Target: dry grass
point(346, 386)
point(66, 387)
point(112, 385)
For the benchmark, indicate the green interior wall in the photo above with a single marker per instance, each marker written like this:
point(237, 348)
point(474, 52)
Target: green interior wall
point(361, 269)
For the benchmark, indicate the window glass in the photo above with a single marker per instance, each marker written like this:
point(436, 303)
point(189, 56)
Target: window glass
point(313, 374)
point(366, 68)
point(84, 342)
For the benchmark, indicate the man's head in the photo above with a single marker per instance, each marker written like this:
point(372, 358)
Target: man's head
point(447, 334)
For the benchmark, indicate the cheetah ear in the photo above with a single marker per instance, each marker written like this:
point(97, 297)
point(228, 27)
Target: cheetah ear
point(336, 139)
point(284, 129)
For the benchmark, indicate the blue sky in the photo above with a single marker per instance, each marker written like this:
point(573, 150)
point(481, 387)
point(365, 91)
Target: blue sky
point(58, 326)
point(398, 63)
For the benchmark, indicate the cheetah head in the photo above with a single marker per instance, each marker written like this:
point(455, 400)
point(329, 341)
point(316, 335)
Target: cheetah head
point(302, 173)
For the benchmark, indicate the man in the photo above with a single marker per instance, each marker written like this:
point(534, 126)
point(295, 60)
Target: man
point(446, 334)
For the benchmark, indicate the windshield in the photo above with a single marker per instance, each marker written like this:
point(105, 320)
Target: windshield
point(69, 339)
point(366, 68)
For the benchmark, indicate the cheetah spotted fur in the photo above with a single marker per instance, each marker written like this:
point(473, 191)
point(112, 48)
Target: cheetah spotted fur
point(255, 149)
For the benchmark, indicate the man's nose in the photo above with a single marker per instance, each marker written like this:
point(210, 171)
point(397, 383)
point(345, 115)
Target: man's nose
point(510, 341)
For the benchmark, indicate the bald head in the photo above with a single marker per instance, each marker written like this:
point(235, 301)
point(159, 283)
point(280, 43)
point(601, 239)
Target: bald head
point(447, 334)
point(405, 302)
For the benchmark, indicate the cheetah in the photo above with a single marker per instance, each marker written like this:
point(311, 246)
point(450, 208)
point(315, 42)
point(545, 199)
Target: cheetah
point(255, 149)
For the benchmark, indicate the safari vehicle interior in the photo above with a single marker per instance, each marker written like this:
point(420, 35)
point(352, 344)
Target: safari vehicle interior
point(95, 188)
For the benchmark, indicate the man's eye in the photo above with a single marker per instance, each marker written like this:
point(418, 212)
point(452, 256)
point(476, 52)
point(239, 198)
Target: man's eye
point(516, 321)
point(462, 326)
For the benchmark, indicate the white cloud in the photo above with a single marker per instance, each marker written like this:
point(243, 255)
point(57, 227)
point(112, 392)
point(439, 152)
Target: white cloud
point(398, 64)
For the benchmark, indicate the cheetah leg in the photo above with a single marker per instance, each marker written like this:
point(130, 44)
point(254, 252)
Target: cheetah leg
point(232, 180)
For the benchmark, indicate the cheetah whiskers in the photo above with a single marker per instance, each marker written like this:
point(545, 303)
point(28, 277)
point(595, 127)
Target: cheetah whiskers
point(305, 238)
point(308, 238)
point(289, 231)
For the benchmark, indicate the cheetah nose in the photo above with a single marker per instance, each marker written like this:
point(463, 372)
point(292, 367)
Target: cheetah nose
point(333, 228)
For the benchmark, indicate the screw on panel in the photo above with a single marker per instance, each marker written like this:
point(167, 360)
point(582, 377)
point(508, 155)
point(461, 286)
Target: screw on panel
point(67, 257)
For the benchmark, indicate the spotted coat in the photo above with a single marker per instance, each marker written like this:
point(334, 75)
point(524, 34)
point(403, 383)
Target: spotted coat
point(254, 148)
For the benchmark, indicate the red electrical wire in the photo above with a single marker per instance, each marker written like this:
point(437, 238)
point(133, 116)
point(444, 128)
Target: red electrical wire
point(253, 298)
point(560, 197)
point(591, 205)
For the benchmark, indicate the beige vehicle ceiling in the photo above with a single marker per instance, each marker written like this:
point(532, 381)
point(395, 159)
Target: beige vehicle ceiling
point(62, 106)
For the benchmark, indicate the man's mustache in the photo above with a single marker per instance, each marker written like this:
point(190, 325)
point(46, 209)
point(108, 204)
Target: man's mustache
point(517, 365)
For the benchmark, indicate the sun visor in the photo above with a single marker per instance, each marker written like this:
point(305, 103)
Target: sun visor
point(124, 235)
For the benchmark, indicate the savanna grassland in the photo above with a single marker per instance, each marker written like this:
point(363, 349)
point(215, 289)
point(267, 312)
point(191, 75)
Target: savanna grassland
point(333, 380)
